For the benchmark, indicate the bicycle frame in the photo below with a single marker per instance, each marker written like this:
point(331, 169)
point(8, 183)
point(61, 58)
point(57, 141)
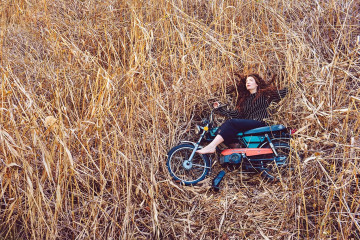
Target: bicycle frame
point(257, 153)
point(253, 143)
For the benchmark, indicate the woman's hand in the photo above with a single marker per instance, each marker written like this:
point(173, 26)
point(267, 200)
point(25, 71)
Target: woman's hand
point(216, 104)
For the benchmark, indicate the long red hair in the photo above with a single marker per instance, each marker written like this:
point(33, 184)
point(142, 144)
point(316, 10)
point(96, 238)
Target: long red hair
point(264, 88)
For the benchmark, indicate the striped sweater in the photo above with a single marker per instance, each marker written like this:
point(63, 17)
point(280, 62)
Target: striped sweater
point(255, 110)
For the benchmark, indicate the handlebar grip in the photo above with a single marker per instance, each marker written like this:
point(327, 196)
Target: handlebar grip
point(221, 106)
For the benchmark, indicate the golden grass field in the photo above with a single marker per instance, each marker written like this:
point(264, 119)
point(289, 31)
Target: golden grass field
point(94, 93)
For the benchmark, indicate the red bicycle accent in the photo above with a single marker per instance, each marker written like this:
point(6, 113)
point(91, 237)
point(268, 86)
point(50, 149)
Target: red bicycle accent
point(248, 151)
point(292, 131)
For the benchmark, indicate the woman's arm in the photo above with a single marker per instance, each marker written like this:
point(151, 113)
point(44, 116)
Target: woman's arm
point(277, 95)
point(229, 113)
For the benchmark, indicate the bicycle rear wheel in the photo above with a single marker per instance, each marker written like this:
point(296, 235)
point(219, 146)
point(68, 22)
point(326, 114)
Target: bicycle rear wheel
point(283, 165)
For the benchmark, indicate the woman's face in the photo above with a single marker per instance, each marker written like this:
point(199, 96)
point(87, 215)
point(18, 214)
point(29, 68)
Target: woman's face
point(251, 85)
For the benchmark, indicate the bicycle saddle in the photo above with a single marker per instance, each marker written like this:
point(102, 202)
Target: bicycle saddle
point(263, 130)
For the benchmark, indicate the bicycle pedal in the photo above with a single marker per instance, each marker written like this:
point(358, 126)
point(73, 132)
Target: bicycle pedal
point(216, 181)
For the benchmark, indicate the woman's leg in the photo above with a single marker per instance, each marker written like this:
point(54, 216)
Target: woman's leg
point(228, 131)
point(232, 127)
point(211, 148)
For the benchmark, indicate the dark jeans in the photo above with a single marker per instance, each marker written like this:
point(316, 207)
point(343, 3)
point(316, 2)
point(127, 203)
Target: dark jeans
point(229, 129)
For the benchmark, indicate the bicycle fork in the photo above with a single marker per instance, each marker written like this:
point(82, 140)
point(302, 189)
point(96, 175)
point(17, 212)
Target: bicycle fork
point(187, 164)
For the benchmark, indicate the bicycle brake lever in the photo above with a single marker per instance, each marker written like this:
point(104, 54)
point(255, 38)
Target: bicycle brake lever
point(221, 106)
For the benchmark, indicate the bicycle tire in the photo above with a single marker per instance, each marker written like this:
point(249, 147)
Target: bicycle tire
point(195, 173)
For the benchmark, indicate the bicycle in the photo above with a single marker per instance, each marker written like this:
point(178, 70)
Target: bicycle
point(265, 150)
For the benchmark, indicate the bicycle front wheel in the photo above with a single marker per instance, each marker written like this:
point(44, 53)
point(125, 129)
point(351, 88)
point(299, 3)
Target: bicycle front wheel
point(184, 171)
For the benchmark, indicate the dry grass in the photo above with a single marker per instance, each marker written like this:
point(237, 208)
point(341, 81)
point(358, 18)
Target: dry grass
point(94, 94)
